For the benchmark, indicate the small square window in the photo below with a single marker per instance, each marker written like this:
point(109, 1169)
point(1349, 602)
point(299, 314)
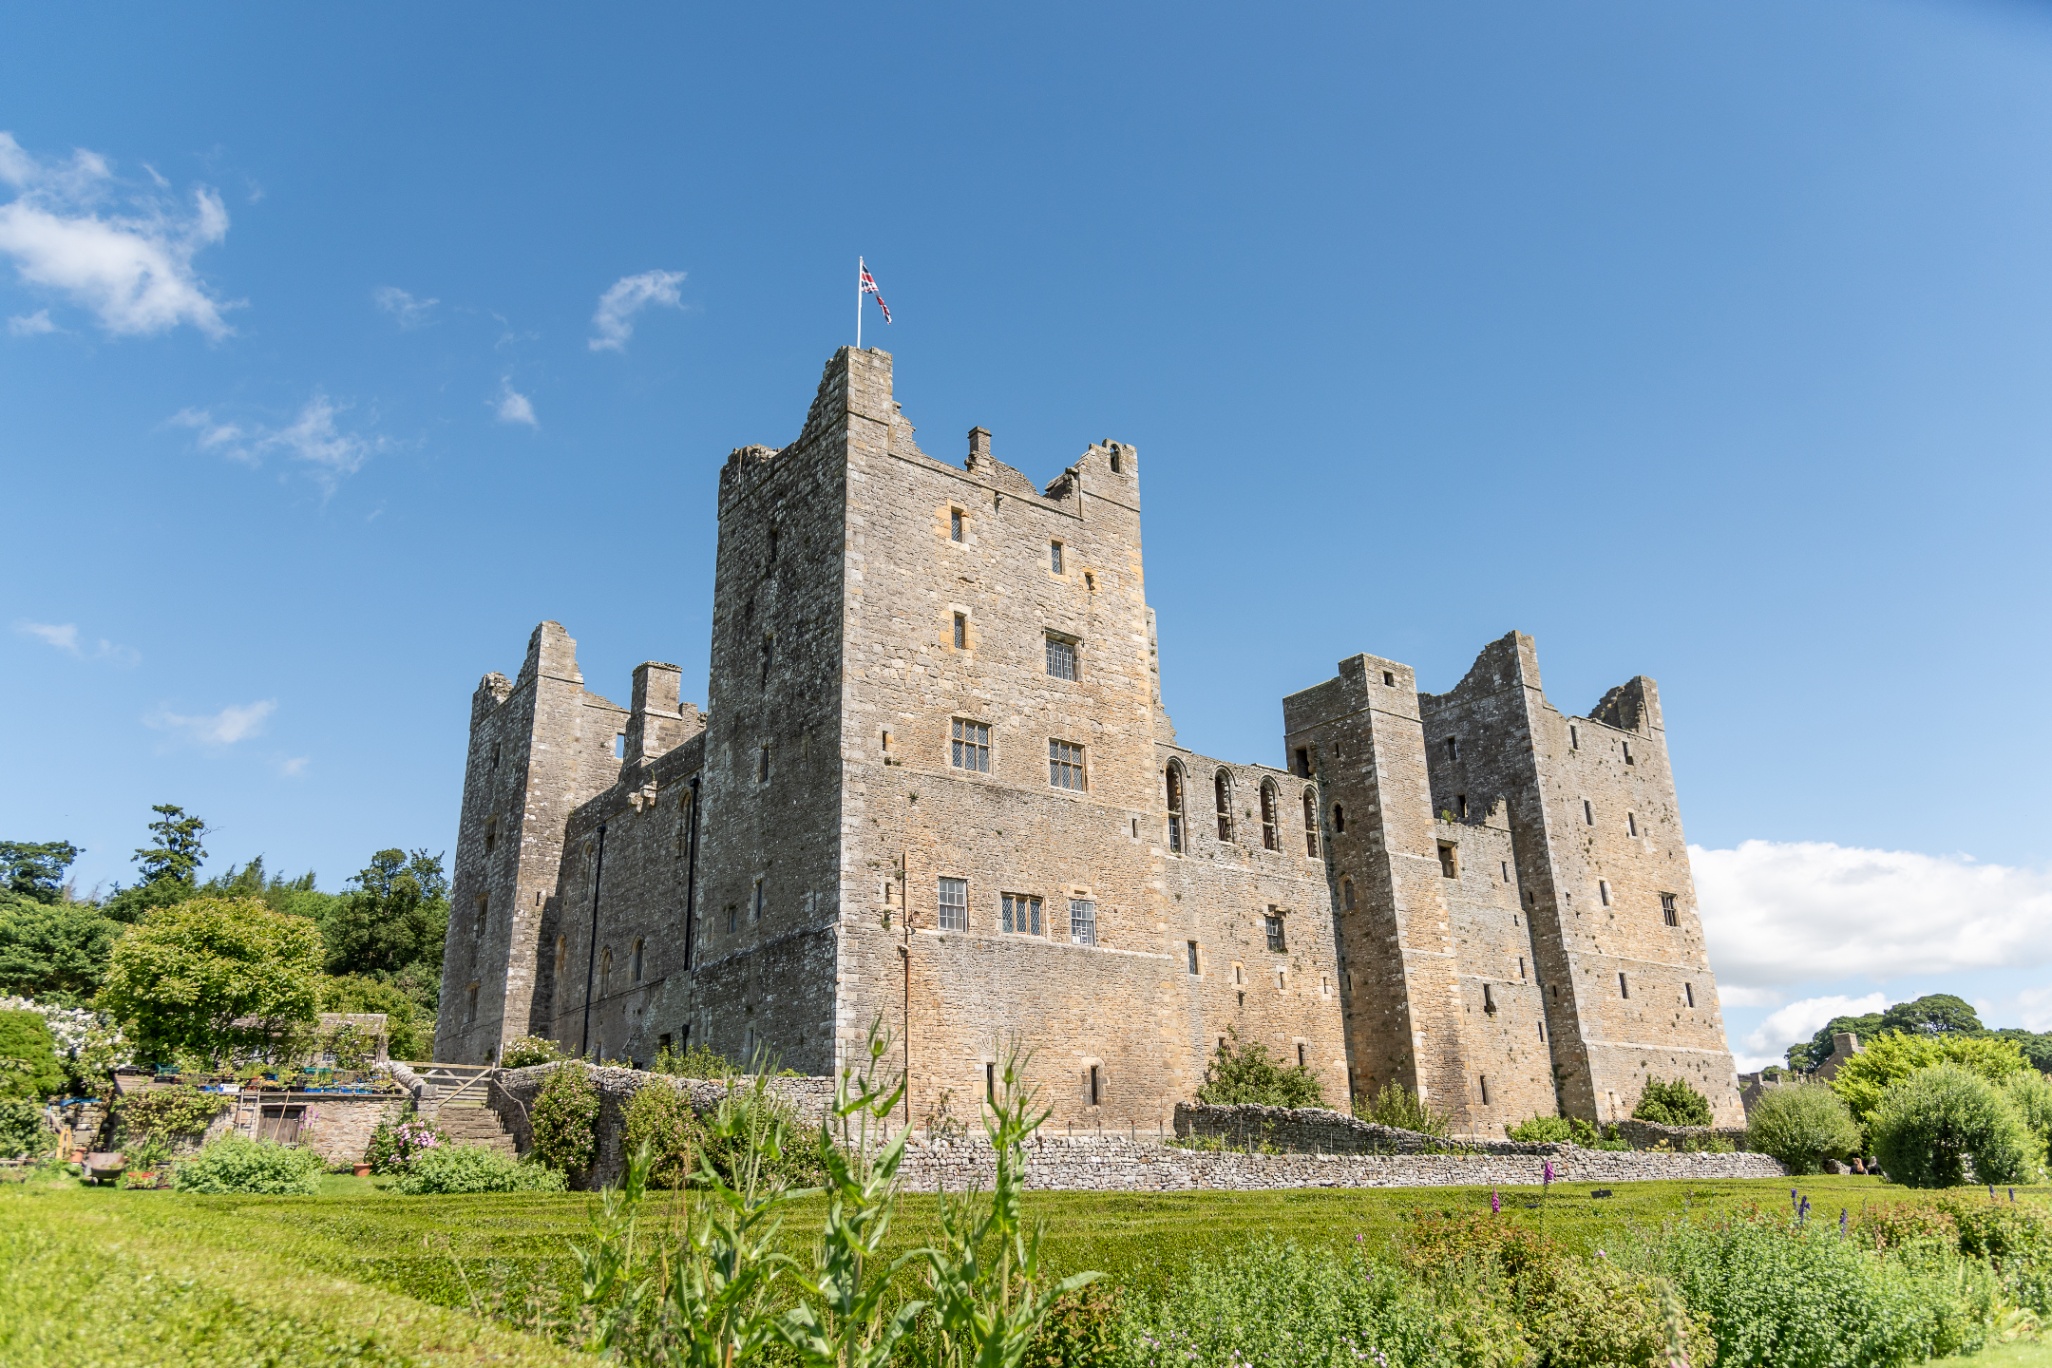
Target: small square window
point(1061, 657)
point(954, 904)
point(969, 747)
point(954, 524)
point(1082, 921)
point(1054, 557)
point(1389, 679)
point(1020, 914)
point(1065, 766)
point(1278, 943)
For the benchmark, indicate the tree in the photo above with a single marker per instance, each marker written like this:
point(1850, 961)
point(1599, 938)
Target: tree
point(1672, 1104)
point(177, 853)
point(2036, 1045)
point(56, 951)
point(1941, 1123)
point(185, 978)
point(1932, 1014)
point(1890, 1058)
point(1808, 1055)
point(35, 869)
point(1801, 1124)
point(408, 1035)
point(395, 918)
point(28, 1056)
point(1242, 1073)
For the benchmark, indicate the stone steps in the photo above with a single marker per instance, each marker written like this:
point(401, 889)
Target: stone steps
point(471, 1123)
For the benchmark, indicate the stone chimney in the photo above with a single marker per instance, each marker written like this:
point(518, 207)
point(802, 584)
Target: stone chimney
point(979, 445)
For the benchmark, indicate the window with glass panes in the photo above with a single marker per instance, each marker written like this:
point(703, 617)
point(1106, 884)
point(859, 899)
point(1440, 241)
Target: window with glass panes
point(1082, 921)
point(954, 904)
point(1278, 944)
point(969, 748)
point(1061, 657)
point(1021, 914)
point(1065, 765)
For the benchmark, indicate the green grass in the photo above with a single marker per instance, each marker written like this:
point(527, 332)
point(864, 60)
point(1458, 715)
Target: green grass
point(360, 1274)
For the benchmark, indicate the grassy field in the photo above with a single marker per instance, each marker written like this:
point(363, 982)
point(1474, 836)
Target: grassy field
point(362, 1276)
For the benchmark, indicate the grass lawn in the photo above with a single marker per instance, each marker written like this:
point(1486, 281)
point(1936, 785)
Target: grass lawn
point(361, 1275)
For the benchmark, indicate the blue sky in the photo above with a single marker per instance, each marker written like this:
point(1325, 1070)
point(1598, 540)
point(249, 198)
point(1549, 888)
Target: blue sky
point(1706, 342)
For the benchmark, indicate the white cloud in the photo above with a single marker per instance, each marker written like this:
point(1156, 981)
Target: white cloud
point(1738, 995)
point(628, 296)
point(513, 406)
point(64, 637)
point(411, 312)
point(312, 437)
point(132, 265)
point(1769, 1042)
point(294, 766)
point(2034, 1005)
point(31, 325)
point(1779, 912)
point(236, 722)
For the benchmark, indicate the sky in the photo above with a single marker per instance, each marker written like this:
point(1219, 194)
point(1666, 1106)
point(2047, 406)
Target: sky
point(1702, 342)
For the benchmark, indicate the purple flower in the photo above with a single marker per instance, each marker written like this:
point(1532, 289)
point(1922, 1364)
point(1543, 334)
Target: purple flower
point(1495, 1203)
point(1546, 1173)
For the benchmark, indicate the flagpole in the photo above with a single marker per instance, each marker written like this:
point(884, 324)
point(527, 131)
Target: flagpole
point(858, 303)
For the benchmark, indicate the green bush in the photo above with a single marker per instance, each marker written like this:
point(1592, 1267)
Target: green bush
point(2031, 1091)
point(1889, 1059)
point(1081, 1331)
point(1672, 1104)
point(237, 1164)
point(752, 1119)
point(1283, 1306)
point(28, 1056)
point(1398, 1106)
point(662, 1118)
point(167, 1113)
point(2016, 1240)
point(1778, 1293)
point(1564, 1130)
point(565, 1119)
point(1802, 1124)
point(528, 1051)
point(23, 1132)
point(393, 1145)
point(1247, 1073)
point(1938, 1124)
point(695, 1061)
point(472, 1169)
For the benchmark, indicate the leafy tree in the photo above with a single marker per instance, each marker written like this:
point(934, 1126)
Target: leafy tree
point(296, 896)
point(35, 869)
point(1933, 1014)
point(1672, 1104)
point(1935, 1127)
point(1802, 1124)
point(395, 918)
point(1247, 1072)
point(409, 1035)
point(28, 1056)
point(2036, 1045)
point(182, 979)
point(178, 852)
point(1808, 1055)
point(2032, 1094)
point(1890, 1058)
point(54, 951)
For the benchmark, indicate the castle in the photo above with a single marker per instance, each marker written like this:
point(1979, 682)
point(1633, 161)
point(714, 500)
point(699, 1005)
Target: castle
point(936, 788)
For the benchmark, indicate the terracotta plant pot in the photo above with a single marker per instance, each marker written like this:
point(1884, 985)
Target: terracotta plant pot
point(363, 1170)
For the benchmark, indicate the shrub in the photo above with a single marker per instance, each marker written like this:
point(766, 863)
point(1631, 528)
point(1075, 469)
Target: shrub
point(236, 1164)
point(662, 1118)
point(1933, 1125)
point(1783, 1294)
point(1889, 1059)
point(1564, 1130)
point(2015, 1240)
point(2031, 1091)
point(1802, 1124)
point(694, 1061)
point(392, 1146)
point(472, 1169)
point(752, 1120)
point(528, 1051)
point(1398, 1106)
point(167, 1113)
point(28, 1056)
point(1285, 1306)
point(1672, 1104)
point(1081, 1331)
point(23, 1132)
point(565, 1119)
point(1247, 1073)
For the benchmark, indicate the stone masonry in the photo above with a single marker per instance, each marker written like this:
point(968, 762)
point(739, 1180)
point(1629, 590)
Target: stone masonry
point(935, 788)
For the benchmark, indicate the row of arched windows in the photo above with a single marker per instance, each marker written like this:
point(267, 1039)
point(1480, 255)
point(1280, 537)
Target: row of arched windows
point(1222, 803)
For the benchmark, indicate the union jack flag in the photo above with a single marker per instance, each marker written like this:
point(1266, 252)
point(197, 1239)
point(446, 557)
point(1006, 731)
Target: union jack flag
point(869, 287)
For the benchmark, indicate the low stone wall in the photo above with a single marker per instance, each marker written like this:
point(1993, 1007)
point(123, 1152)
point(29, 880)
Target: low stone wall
point(512, 1093)
point(1645, 1135)
point(1118, 1163)
point(1317, 1130)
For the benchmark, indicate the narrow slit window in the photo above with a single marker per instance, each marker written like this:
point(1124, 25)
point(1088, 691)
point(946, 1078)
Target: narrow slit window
point(961, 631)
point(1191, 946)
point(1222, 801)
point(1574, 739)
point(1096, 1087)
point(1483, 1079)
point(1521, 966)
point(1506, 871)
point(1347, 894)
point(1448, 867)
point(990, 1083)
point(1689, 994)
point(1603, 891)
point(619, 745)
point(1453, 747)
point(769, 652)
point(1461, 806)
point(1631, 824)
point(1270, 840)
point(1542, 1030)
point(1061, 657)
point(1669, 914)
point(1175, 808)
point(1302, 1061)
point(1339, 820)
point(1082, 921)
point(969, 746)
point(954, 904)
point(760, 902)
point(1588, 812)
point(762, 765)
point(1303, 762)
point(1628, 754)
point(1489, 999)
point(954, 524)
point(637, 963)
point(1054, 557)
point(1624, 986)
point(1310, 824)
point(1065, 765)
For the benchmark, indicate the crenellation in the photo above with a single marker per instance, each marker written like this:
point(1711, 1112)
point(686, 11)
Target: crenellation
point(935, 786)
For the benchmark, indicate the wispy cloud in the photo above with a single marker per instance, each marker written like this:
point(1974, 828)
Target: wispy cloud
point(294, 766)
point(236, 722)
point(513, 406)
point(123, 251)
point(412, 312)
point(63, 636)
point(31, 325)
point(613, 324)
point(1775, 911)
point(314, 438)
point(1769, 1041)
point(2035, 1005)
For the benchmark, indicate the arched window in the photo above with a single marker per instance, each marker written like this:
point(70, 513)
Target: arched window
point(1222, 793)
point(1175, 808)
point(637, 960)
point(1310, 823)
point(1270, 839)
point(605, 971)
